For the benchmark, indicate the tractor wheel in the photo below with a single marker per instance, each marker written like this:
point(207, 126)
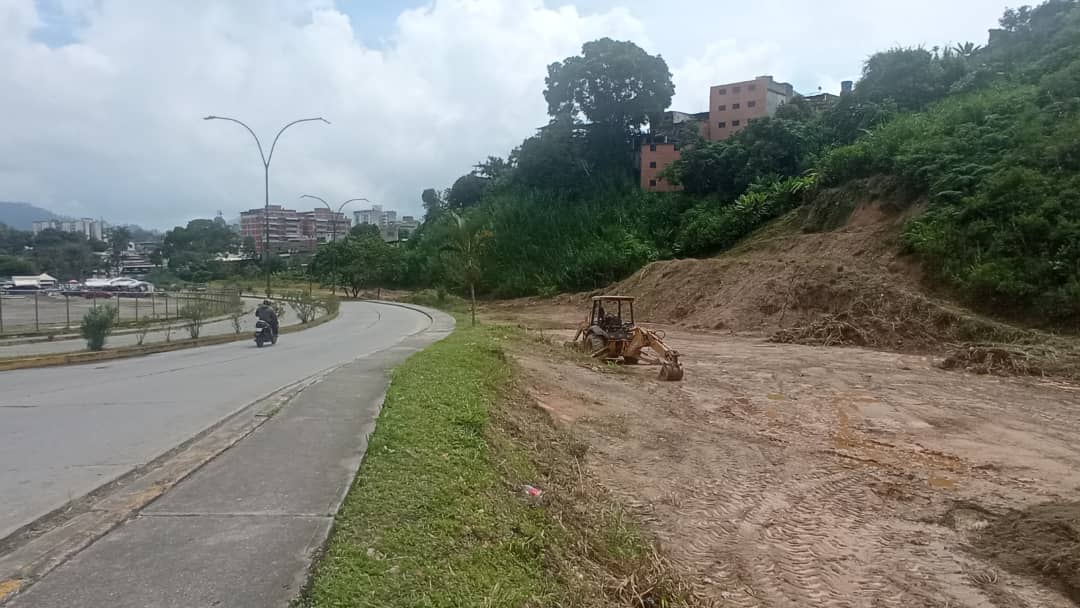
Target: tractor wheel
point(596, 343)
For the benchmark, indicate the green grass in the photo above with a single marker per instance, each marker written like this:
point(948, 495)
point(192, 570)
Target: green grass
point(429, 521)
point(436, 516)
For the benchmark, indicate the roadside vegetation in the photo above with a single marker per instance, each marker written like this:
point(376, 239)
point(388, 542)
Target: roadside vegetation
point(986, 134)
point(96, 326)
point(440, 515)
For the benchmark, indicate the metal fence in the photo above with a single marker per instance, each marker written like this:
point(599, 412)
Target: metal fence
point(45, 312)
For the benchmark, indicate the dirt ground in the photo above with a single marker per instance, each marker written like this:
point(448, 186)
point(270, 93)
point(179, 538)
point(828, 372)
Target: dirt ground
point(791, 475)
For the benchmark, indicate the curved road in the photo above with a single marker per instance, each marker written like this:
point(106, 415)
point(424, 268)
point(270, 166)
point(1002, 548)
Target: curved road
point(66, 431)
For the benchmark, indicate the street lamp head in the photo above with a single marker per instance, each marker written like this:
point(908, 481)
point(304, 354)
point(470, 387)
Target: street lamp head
point(209, 117)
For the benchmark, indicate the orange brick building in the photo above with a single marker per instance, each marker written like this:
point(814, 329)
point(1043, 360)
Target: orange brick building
point(731, 108)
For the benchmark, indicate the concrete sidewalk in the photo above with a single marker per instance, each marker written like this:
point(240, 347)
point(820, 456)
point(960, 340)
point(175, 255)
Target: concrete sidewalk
point(242, 530)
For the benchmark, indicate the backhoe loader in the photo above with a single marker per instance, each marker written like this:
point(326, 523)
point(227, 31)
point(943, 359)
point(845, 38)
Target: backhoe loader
point(610, 334)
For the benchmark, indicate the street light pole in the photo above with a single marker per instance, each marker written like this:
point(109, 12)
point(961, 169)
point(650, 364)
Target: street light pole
point(334, 216)
point(266, 179)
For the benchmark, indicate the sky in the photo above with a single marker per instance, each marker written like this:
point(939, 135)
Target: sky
point(102, 100)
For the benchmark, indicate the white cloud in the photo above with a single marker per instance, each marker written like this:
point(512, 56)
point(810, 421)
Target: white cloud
point(110, 125)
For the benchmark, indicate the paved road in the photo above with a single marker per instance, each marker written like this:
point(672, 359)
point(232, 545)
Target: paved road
point(66, 431)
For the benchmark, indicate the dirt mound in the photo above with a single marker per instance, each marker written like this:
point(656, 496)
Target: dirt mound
point(830, 273)
point(1042, 541)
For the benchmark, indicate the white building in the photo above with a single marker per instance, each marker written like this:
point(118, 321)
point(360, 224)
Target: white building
point(90, 228)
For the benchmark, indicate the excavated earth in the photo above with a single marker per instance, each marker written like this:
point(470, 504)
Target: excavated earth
point(789, 474)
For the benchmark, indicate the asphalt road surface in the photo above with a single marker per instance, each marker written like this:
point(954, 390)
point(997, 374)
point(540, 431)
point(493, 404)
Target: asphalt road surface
point(66, 431)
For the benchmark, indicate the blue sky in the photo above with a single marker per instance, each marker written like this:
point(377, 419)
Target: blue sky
point(109, 93)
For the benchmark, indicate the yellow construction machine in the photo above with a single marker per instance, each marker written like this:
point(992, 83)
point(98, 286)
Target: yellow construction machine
point(610, 334)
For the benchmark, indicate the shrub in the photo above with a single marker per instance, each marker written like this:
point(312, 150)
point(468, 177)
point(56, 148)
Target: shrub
point(304, 304)
point(96, 326)
point(331, 304)
point(142, 328)
point(195, 314)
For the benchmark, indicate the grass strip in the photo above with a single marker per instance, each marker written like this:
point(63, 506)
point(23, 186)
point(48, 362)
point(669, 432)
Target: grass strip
point(437, 518)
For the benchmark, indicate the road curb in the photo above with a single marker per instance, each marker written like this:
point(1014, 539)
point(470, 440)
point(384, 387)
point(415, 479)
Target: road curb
point(39, 547)
point(14, 363)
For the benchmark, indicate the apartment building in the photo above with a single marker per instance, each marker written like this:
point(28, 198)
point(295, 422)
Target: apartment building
point(324, 225)
point(292, 230)
point(90, 228)
point(670, 131)
point(390, 227)
point(735, 105)
point(731, 107)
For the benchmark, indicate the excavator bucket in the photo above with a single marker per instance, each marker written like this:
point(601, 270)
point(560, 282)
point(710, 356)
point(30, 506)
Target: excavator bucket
point(671, 371)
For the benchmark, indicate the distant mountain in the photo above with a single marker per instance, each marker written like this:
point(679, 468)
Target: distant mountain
point(21, 216)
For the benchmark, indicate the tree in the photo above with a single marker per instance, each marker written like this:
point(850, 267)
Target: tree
point(119, 238)
point(465, 248)
point(365, 230)
point(466, 191)
point(553, 158)
point(201, 236)
point(911, 77)
point(966, 50)
point(433, 204)
point(67, 255)
point(13, 241)
point(358, 262)
point(613, 83)
point(494, 168)
point(12, 265)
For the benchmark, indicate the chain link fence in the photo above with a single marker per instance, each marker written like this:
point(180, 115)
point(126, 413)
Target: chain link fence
point(50, 312)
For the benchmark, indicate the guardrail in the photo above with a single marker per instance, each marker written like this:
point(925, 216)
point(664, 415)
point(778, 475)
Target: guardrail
point(37, 312)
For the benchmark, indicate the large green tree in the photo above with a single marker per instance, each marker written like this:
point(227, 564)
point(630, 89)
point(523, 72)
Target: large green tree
point(613, 82)
point(358, 262)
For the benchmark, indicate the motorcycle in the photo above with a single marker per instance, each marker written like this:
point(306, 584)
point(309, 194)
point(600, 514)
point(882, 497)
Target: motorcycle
point(264, 333)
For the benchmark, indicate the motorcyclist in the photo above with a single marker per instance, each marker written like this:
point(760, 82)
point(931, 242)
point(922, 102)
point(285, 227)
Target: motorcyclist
point(265, 312)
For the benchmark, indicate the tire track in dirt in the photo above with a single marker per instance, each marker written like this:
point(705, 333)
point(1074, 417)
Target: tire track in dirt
point(826, 487)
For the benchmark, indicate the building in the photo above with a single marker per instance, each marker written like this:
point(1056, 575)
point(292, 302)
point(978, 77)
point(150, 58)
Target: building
point(661, 146)
point(387, 221)
point(90, 228)
point(822, 101)
point(731, 107)
point(292, 230)
point(375, 216)
point(735, 105)
point(41, 281)
point(324, 225)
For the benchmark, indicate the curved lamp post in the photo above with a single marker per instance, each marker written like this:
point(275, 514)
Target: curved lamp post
point(266, 158)
point(334, 216)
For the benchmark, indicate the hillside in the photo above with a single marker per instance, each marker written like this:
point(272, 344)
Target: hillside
point(832, 271)
point(21, 216)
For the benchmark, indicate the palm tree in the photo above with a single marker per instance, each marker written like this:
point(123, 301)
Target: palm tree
point(967, 49)
point(466, 244)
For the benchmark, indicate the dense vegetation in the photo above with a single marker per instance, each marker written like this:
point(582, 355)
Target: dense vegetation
point(988, 134)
